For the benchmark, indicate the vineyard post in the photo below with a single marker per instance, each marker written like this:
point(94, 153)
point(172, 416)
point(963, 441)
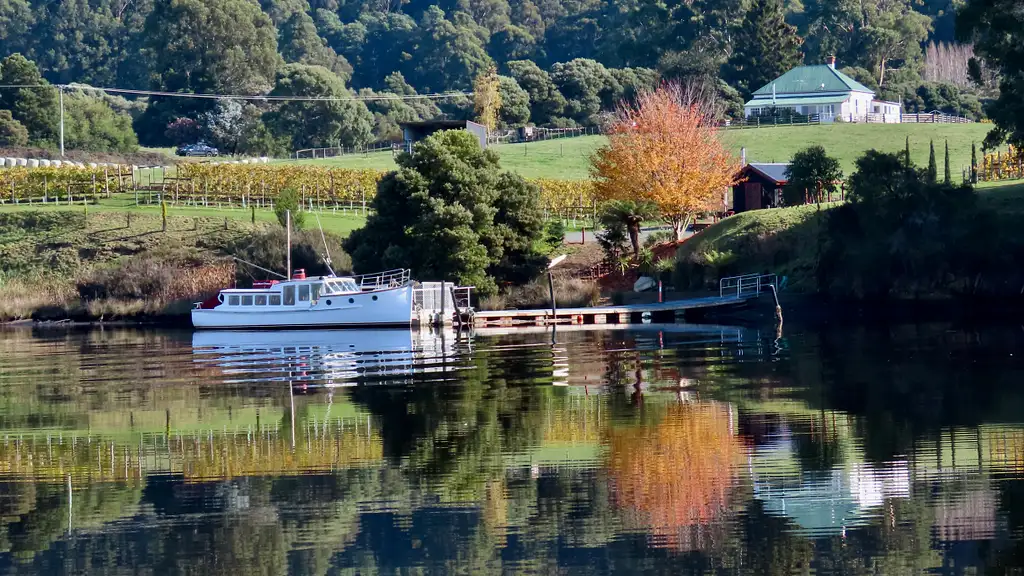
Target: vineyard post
point(330, 176)
point(46, 189)
point(206, 192)
point(363, 192)
point(175, 190)
point(106, 182)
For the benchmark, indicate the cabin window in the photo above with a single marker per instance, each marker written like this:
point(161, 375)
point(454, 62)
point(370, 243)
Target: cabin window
point(247, 300)
point(261, 299)
point(316, 291)
point(232, 300)
point(289, 295)
point(275, 299)
point(304, 293)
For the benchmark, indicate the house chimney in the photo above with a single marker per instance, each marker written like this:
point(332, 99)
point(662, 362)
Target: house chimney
point(831, 61)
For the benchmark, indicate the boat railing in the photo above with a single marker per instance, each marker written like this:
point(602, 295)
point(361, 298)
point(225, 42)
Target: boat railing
point(746, 285)
point(383, 280)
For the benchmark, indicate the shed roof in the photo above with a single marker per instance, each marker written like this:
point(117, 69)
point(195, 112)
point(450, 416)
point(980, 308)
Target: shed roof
point(435, 124)
point(810, 79)
point(774, 171)
point(798, 100)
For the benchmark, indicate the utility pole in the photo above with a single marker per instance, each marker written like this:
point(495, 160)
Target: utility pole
point(60, 90)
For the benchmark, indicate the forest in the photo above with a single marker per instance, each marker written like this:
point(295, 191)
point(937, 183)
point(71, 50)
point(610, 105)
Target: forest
point(555, 63)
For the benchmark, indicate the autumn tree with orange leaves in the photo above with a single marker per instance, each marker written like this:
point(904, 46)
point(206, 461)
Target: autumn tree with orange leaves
point(663, 148)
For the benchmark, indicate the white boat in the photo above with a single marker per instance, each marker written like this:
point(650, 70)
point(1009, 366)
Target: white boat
point(381, 299)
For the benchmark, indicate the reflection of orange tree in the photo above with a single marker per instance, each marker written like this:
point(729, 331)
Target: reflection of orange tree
point(677, 474)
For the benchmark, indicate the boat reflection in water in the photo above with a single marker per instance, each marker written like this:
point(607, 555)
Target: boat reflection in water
point(330, 358)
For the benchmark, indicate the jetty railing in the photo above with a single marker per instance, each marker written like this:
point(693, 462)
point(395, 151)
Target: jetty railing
point(747, 285)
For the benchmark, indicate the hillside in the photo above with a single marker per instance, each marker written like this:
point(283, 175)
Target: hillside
point(790, 242)
point(569, 157)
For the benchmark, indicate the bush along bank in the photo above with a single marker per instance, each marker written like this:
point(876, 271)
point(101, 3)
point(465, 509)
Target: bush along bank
point(901, 236)
point(57, 266)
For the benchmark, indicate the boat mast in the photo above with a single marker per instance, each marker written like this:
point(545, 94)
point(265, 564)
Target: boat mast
point(288, 248)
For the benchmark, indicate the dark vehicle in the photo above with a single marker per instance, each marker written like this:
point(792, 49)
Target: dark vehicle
point(196, 150)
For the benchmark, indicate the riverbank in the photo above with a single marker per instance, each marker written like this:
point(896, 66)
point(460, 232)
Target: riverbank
point(954, 249)
point(64, 266)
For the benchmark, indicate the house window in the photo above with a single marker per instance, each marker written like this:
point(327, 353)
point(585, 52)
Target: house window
point(275, 299)
point(232, 300)
point(289, 295)
point(261, 299)
point(304, 293)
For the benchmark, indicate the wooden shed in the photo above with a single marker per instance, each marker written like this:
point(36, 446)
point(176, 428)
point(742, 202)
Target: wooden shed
point(760, 186)
point(413, 132)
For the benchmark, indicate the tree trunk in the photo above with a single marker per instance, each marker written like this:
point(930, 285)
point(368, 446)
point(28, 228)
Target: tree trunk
point(634, 236)
point(679, 224)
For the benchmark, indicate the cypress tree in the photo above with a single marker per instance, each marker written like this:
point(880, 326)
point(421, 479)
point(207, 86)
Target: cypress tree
point(907, 154)
point(933, 169)
point(974, 163)
point(949, 177)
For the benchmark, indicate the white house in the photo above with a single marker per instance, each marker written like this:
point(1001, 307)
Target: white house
point(824, 91)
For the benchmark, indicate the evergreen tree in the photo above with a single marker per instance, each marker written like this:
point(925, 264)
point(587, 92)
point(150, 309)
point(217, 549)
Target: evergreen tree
point(765, 47)
point(974, 163)
point(906, 155)
point(933, 169)
point(949, 177)
point(312, 124)
point(461, 218)
point(35, 108)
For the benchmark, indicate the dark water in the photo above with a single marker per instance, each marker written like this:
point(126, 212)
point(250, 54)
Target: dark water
point(883, 450)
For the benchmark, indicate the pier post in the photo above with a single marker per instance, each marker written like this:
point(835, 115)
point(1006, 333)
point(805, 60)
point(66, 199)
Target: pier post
point(551, 293)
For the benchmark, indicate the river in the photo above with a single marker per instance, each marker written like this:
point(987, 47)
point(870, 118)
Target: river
point(886, 449)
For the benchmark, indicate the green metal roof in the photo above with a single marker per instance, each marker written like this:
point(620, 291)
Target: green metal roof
point(805, 79)
point(801, 101)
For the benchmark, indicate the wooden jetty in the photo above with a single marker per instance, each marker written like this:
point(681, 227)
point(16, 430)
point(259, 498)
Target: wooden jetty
point(734, 292)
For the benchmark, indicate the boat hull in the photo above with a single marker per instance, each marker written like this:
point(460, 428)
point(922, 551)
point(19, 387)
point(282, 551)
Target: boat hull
point(391, 307)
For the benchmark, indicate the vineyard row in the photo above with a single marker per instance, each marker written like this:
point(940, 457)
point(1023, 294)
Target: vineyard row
point(247, 185)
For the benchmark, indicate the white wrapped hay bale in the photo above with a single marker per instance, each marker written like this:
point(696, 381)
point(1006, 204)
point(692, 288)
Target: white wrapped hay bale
point(33, 163)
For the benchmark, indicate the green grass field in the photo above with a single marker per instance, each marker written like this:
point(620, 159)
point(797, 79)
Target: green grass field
point(569, 157)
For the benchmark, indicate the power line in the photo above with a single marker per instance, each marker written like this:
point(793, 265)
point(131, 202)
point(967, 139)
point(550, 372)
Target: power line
point(262, 97)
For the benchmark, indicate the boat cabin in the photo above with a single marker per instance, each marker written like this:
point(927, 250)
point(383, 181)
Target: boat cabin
point(288, 293)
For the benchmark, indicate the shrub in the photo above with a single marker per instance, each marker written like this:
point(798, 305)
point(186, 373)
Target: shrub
point(569, 293)
point(157, 278)
point(554, 234)
point(288, 201)
point(12, 132)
